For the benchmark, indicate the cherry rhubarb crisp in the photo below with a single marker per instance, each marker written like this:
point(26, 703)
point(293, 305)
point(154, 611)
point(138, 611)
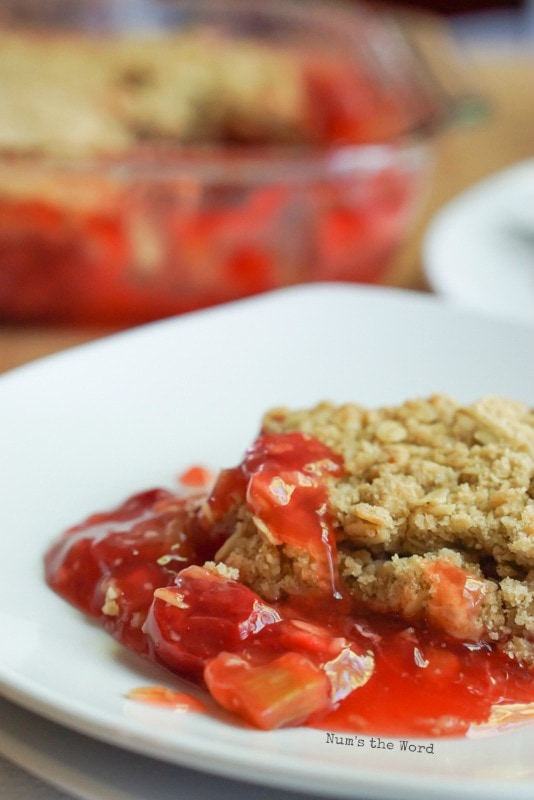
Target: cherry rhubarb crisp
point(363, 570)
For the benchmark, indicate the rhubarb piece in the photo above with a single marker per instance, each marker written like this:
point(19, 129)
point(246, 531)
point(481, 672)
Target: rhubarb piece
point(285, 691)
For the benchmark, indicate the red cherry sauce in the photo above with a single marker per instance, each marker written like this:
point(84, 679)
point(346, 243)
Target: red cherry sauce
point(137, 569)
point(110, 565)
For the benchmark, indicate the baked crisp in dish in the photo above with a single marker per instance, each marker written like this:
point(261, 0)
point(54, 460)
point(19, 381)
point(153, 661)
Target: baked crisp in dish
point(361, 569)
point(145, 174)
point(434, 516)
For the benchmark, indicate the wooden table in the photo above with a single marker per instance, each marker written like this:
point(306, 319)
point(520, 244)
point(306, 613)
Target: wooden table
point(463, 157)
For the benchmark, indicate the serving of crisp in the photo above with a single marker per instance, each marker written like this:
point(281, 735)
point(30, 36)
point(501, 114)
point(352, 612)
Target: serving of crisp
point(362, 569)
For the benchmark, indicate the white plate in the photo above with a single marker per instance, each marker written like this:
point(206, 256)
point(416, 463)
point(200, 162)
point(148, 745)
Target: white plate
point(479, 250)
point(82, 430)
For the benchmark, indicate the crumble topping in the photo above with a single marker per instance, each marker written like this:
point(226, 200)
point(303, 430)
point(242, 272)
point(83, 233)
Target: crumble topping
point(433, 514)
point(76, 95)
point(111, 606)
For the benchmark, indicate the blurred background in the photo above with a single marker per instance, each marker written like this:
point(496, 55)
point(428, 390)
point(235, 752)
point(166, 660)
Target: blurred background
point(159, 156)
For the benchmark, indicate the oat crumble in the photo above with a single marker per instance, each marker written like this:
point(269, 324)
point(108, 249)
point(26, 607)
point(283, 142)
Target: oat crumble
point(83, 96)
point(434, 516)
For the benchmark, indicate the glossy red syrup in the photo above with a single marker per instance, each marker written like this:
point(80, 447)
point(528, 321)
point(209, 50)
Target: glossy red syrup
point(318, 659)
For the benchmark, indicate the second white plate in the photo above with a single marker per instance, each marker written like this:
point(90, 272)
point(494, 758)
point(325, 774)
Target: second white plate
point(479, 250)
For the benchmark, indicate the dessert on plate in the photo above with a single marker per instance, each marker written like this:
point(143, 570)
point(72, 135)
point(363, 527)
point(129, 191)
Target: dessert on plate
point(361, 569)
